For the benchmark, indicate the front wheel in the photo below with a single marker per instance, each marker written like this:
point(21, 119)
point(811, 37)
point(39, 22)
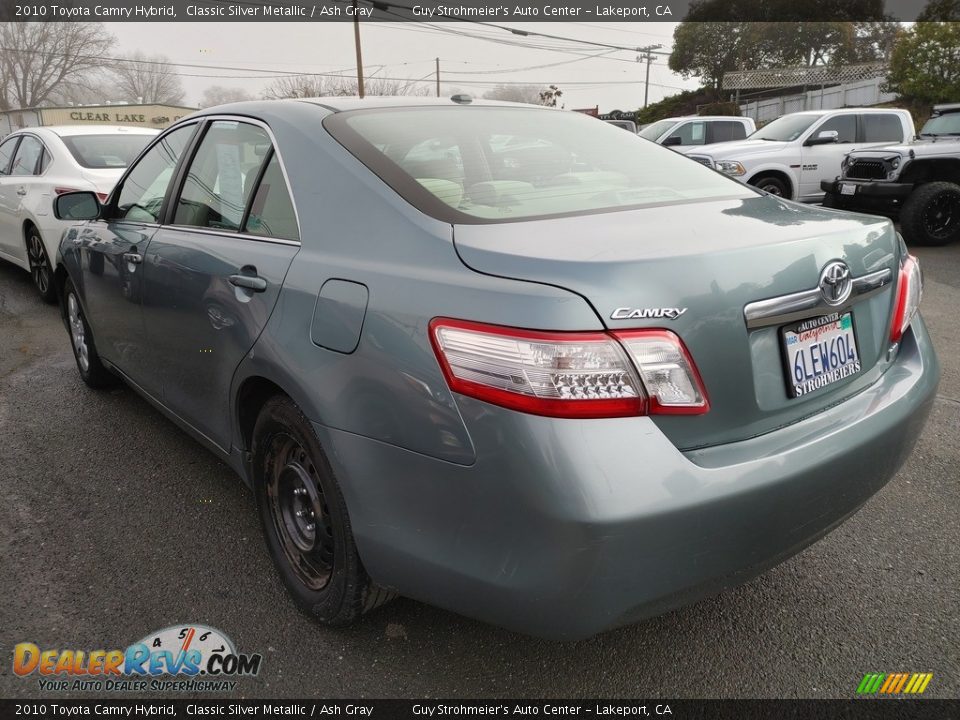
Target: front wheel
point(40, 271)
point(771, 184)
point(92, 371)
point(931, 215)
point(305, 521)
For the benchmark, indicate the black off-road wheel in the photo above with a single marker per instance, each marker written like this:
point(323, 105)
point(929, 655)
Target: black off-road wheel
point(305, 520)
point(771, 184)
point(40, 270)
point(92, 371)
point(931, 215)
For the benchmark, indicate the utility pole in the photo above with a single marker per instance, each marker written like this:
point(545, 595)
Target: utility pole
point(356, 42)
point(438, 77)
point(647, 54)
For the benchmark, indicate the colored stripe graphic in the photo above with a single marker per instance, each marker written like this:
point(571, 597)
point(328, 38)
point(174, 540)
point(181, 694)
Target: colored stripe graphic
point(894, 683)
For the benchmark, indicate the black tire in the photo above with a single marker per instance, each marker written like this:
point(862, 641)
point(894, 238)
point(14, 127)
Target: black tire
point(305, 520)
point(92, 371)
point(771, 184)
point(931, 215)
point(40, 270)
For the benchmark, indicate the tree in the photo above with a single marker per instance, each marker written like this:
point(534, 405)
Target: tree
point(550, 96)
point(926, 63)
point(529, 94)
point(220, 95)
point(37, 58)
point(148, 79)
point(303, 86)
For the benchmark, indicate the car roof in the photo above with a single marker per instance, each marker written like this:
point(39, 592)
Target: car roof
point(71, 130)
point(947, 107)
point(343, 104)
point(853, 109)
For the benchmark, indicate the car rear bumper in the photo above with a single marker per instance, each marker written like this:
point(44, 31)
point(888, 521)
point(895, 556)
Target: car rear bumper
point(565, 528)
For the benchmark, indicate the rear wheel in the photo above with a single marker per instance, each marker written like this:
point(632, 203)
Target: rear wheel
point(40, 270)
point(771, 184)
point(931, 215)
point(91, 369)
point(305, 521)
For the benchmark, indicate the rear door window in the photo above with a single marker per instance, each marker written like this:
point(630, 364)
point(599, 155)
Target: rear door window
point(28, 156)
point(271, 210)
point(882, 127)
point(222, 175)
point(727, 130)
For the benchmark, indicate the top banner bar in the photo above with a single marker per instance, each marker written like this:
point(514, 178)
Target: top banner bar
point(484, 12)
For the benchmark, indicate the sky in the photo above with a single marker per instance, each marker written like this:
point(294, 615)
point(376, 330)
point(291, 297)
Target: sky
point(588, 76)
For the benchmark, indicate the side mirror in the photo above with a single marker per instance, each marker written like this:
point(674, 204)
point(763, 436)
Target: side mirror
point(825, 137)
point(80, 205)
point(672, 140)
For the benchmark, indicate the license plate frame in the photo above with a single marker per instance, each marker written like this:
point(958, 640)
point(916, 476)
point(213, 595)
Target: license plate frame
point(828, 338)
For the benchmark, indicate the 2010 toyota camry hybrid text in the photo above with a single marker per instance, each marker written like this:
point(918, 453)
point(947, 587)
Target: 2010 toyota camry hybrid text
point(507, 360)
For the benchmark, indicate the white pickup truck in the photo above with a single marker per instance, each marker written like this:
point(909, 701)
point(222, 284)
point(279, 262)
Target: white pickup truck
point(791, 155)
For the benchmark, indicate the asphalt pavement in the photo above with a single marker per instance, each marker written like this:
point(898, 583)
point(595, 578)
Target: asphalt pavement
point(114, 523)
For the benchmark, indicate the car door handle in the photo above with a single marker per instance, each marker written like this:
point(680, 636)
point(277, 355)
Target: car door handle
point(250, 282)
point(132, 257)
point(21, 191)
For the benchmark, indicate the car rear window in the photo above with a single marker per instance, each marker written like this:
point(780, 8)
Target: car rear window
point(494, 164)
point(105, 151)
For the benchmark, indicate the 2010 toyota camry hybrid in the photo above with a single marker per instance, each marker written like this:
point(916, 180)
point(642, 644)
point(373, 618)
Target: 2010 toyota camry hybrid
point(507, 360)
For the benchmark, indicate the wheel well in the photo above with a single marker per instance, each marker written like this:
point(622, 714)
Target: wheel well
point(251, 398)
point(59, 280)
point(782, 176)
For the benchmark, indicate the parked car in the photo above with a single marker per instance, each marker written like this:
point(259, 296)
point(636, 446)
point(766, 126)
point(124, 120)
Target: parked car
point(917, 182)
point(698, 130)
point(554, 391)
point(628, 125)
point(39, 163)
point(790, 156)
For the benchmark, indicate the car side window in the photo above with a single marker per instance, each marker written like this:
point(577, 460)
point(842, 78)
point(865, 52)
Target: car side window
point(6, 153)
point(44, 162)
point(29, 152)
point(221, 176)
point(271, 212)
point(691, 133)
point(845, 125)
point(143, 190)
point(882, 127)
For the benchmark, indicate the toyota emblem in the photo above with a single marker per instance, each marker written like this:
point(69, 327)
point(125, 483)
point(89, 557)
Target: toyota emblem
point(836, 283)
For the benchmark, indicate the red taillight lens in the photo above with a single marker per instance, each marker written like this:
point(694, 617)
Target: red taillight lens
point(909, 295)
point(102, 197)
point(571, 375)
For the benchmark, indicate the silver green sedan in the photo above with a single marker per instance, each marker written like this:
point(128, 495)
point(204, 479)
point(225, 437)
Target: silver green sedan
point(502, 359)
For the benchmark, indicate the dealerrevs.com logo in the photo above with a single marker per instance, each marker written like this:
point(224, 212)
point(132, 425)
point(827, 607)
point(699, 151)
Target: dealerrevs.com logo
point(180, 658)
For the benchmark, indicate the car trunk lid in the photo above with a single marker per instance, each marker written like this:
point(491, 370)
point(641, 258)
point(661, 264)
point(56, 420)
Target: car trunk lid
point(693, 268)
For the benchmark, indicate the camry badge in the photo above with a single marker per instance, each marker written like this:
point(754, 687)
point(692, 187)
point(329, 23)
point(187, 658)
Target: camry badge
point(836, 283)
point(625, 313)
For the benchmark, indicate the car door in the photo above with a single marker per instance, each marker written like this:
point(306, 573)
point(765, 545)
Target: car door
point(11, 240)
point(822, 162)
point(111, 257)
point(214, 271)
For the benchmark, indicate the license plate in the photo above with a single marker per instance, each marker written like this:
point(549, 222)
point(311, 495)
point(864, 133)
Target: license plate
point(848, 189)
point(819, 352)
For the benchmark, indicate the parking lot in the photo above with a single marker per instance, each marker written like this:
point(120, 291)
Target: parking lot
point(113, 523)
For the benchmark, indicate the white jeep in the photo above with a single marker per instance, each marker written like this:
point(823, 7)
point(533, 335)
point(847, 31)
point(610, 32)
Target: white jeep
point(791, 155)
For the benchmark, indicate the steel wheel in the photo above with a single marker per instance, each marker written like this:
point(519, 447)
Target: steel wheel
point(78, 333)
point(300, 513)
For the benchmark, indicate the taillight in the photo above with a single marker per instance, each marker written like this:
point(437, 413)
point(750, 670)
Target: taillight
point(567, 374)
point(909, 294)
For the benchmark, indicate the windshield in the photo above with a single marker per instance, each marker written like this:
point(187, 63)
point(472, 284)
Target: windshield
point(786, 128)
point(105, 151)
point(948, 124)
point(655, 130)
point(488, 164)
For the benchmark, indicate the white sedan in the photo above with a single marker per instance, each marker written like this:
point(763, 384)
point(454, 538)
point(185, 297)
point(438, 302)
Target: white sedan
point(39, 163)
